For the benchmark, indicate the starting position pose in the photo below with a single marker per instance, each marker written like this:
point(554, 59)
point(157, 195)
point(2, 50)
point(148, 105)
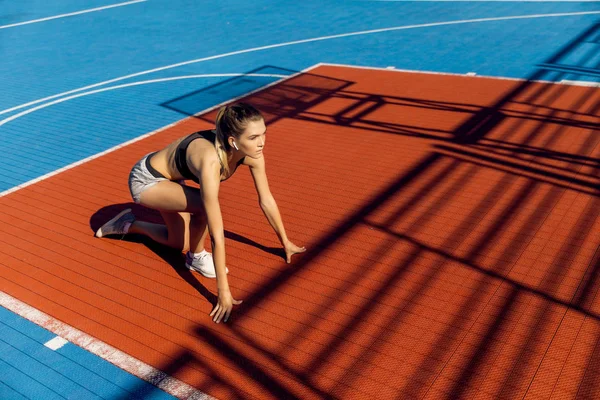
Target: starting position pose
point(206, 157)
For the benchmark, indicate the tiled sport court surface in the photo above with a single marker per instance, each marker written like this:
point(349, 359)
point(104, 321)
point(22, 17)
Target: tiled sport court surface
point(452, 246)
point(451, 221)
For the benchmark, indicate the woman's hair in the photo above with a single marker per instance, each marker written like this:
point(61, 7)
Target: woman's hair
point(232, 120)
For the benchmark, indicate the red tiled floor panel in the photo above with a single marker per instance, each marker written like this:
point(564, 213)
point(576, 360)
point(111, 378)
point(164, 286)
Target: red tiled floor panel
point(452, 227)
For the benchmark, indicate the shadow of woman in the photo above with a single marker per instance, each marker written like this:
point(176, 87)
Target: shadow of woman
point(171, 256)
point(277, 251)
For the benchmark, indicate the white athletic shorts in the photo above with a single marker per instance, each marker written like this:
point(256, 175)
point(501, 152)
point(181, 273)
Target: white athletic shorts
point(142, 177)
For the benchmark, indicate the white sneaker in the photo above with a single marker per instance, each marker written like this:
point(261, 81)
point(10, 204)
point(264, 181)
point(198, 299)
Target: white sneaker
point(116, 226)
point(202, 263)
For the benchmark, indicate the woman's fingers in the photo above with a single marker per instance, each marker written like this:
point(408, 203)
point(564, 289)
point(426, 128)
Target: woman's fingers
point(218, 315)
point(214, 310)
point(221, 312)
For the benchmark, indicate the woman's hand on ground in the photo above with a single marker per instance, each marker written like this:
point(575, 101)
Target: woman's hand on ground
point(224, 306)
point(291, 249)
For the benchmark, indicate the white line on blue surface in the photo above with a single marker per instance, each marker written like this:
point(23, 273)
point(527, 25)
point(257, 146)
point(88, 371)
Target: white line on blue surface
point(33, 21)
point(580, 83)
point(103, 350)
point(139, 83)
point(469, 74)
point(56, 343)
point(85, 160)
point(317, 39)
point(122, 360)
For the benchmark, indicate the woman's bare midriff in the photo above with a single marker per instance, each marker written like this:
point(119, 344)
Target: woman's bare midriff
point(164, 161)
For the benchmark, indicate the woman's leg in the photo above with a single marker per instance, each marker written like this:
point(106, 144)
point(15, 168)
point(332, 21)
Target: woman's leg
point(173, 233)
point(183, 213)
point(198, 230)
point(185, 223)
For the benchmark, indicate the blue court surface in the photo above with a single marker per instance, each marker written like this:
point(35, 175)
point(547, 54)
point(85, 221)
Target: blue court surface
point(79, 78)
point(32, 370)
point(85, 83)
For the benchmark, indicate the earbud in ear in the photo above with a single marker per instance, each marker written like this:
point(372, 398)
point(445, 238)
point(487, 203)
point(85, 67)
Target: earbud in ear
point(235, 145)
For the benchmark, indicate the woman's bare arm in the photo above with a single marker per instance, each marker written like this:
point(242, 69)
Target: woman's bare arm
point(209, 190)
point(269, 206)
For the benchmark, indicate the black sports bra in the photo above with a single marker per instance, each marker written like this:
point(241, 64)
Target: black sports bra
point(180, 154)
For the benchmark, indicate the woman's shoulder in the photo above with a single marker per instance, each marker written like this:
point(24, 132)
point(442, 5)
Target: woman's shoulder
point(207, 134)
point(202, 154)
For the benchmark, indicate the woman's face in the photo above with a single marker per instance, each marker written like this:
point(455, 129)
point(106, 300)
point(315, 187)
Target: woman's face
point(252, 141)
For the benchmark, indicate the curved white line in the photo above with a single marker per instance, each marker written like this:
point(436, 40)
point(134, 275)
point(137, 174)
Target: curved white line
point(273, 46)
point(175, 78)
point(136, 139)
point(89, 10)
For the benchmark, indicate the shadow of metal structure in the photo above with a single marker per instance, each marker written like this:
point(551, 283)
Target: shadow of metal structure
point(447, 292)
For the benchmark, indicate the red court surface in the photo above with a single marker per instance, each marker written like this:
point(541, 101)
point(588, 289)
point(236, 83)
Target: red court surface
point(452, 226)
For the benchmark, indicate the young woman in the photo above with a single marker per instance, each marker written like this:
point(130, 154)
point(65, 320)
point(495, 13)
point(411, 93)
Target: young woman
point(206, 157)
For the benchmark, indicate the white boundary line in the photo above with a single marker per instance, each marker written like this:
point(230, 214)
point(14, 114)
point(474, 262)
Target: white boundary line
point(138, 83)
point(56, 343)
point(467, 75)
point(33, 21)
point(85, 160)
point(580, 83)
point(322, 38)
point(103, 350)
point(284, 77)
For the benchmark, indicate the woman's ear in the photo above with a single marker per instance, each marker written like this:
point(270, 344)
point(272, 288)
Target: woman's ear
point(232, 142)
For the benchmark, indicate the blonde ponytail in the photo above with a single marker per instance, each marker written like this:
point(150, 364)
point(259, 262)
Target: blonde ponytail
point(221, 144)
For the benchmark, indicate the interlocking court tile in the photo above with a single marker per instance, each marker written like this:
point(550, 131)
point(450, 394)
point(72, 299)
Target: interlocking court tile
point(452, 232)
